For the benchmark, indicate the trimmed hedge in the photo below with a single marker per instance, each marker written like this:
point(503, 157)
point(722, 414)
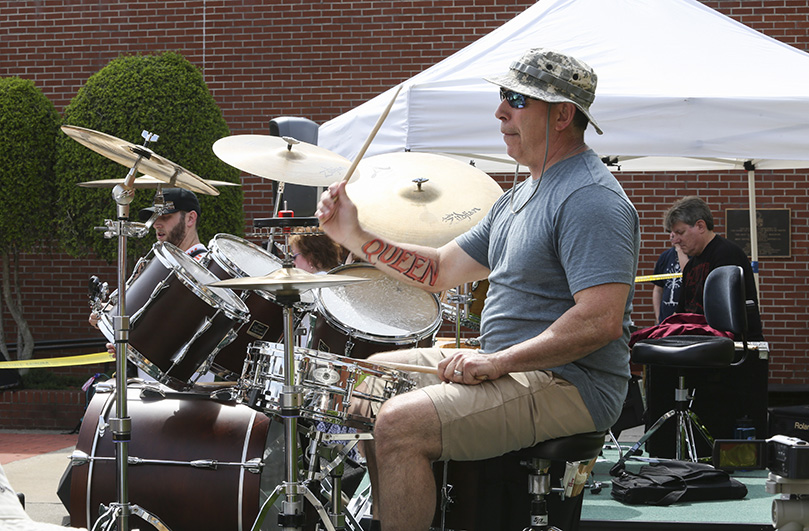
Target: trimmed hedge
point(165, 95)
point(28, 127)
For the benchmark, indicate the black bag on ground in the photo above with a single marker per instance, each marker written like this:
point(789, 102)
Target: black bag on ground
point(670, 482)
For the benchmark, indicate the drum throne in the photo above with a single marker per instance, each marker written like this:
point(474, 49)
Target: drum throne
point(726, 311)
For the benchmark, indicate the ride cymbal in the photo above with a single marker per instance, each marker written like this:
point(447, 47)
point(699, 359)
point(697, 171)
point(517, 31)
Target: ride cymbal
point(287, 280)
point(144, 181)
point(421, 198)
point(282, 159)
point(126, 154)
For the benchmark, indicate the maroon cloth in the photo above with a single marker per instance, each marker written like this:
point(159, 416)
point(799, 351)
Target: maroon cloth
point(678, 324)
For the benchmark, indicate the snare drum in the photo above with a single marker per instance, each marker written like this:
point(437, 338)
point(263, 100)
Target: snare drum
point(245, 450)
point(178, 322)
point(363, 318)
point(330, 383)
point(233, 257)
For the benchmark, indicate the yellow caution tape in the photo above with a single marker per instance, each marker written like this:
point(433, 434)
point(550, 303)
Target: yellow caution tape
point(651, 278)
point(83, 359)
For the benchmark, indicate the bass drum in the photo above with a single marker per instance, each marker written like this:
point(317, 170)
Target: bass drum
point(245, 447)
point(360, 319)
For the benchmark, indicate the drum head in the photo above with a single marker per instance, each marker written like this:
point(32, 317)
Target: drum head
point(381, 308)
point(242, 258)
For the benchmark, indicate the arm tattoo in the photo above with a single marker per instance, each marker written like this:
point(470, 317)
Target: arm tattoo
point(412, 265)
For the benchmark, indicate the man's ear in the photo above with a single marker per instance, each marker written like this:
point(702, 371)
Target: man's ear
point(191, 218)
point(565, 113)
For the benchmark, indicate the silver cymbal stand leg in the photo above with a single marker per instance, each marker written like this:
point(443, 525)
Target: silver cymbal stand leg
point(121, 424)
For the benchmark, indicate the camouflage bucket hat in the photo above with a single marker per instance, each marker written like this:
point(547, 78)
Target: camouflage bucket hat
point(554, 77)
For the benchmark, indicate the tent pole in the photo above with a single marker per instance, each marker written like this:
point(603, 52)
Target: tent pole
point(751, 193)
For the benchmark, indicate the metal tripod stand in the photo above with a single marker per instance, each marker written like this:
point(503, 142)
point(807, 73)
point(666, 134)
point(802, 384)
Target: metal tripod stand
point(118, 513)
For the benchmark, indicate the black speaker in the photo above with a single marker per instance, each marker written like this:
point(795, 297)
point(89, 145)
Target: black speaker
point(724, 399)
point(299, 198)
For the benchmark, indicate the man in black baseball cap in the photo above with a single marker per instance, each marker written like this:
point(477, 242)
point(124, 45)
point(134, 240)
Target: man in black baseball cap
point(178, 222)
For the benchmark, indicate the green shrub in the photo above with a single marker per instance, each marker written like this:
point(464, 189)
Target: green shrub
point(28, 128)
point(43, 379)
point(165, 95)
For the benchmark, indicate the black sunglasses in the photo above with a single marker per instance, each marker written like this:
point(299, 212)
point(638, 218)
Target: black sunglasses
point(515, 99)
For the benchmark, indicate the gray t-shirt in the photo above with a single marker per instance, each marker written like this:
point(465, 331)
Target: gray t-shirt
point(579, 230)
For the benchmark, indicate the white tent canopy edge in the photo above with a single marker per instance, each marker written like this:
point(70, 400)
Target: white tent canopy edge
point(681, 88)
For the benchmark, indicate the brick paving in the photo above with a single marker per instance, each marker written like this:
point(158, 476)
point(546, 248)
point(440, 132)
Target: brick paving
point(22, 445)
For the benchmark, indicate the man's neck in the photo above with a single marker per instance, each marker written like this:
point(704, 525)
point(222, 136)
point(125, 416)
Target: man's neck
point(559, 152)
point(709, 236)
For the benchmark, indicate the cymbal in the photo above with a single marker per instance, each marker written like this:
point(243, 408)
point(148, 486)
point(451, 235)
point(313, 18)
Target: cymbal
point(144, 181)
point(421, 198)
point(126, 153)
point(282, 159)
point(287, 280)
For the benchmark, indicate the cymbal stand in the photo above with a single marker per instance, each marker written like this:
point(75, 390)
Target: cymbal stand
point(336, 455)
point(291, 517)
point(459, 299)
point(121, 424)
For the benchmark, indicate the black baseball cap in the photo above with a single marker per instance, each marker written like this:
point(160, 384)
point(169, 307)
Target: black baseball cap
point(177, 199)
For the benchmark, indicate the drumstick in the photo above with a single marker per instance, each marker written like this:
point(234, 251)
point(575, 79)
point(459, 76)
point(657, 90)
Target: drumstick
point(371, 136)
point(405, 367)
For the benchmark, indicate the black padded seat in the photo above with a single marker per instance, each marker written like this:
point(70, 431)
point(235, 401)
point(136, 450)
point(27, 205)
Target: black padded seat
point(725, 310)
point(578, 447)
point(695, 352)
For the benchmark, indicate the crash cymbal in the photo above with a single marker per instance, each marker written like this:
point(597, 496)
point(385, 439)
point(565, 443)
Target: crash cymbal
point(421, 198)
point(145, 181)
point(126, 154)
point(282, 159)
point(287, 279)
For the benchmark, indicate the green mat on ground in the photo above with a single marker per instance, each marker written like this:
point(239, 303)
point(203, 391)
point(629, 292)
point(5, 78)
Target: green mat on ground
point(755, 508)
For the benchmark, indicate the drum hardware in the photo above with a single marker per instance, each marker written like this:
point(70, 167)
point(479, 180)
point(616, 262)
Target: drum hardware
point(335, 468)
point(135, 157)
point(287, 284)
point(78, 458)
point(459, 301)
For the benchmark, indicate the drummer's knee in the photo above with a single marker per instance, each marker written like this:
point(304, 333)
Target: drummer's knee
point(408, 424)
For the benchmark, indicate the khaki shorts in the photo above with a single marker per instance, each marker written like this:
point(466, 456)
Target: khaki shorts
point(498, 416)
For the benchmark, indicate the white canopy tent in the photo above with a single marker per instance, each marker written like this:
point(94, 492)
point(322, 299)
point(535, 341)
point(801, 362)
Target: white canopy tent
point(681, 87)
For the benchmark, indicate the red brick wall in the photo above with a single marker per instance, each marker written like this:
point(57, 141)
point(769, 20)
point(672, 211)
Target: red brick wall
point(319, 59)
point(41, 409)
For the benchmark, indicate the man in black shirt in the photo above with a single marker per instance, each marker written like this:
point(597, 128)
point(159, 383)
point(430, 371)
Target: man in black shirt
point(690, 223)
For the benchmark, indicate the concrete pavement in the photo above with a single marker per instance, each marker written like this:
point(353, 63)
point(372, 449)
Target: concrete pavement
point(34, 462)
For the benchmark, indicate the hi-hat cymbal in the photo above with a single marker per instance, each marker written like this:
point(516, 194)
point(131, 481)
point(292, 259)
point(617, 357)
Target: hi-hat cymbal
point(282, 159)
point(421, 198)
point(126, 153)
point(145, 181)
point(287, 280)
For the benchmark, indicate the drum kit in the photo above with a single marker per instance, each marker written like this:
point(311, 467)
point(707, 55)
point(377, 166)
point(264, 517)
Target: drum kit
point(235, 314)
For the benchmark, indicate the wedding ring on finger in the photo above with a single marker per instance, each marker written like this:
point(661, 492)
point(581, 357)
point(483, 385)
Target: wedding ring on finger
point(458, 373)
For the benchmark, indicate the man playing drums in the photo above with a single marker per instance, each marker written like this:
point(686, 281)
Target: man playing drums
point(560, 253)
